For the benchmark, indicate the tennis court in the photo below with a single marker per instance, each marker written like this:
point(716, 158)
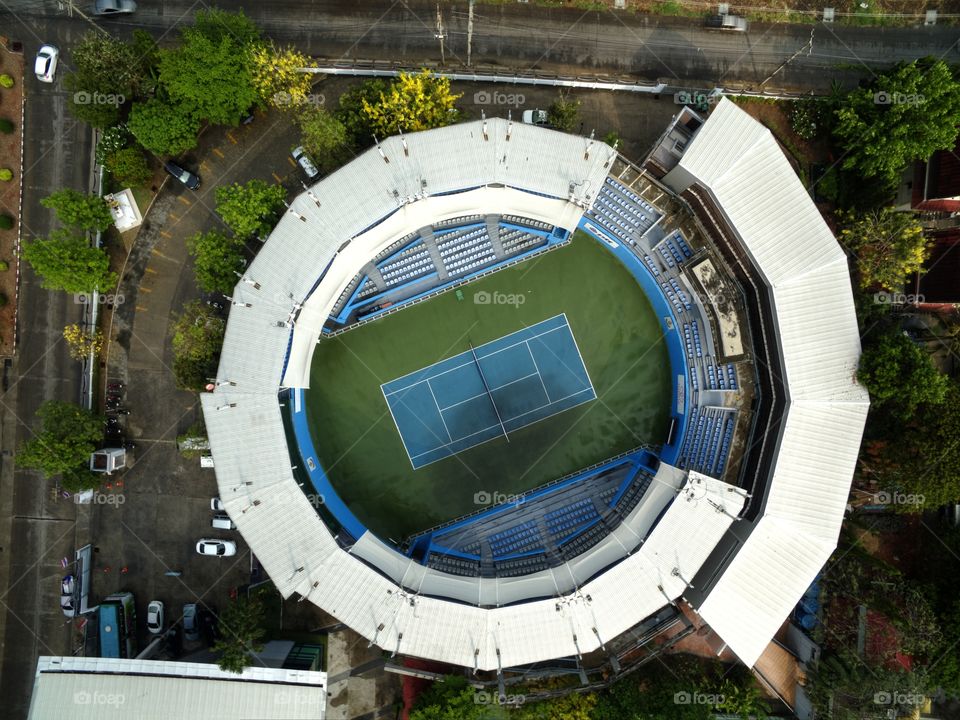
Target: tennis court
point(489, 391)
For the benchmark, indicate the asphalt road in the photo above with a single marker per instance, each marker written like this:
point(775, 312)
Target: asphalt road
point(524, 36)
point(37, 528)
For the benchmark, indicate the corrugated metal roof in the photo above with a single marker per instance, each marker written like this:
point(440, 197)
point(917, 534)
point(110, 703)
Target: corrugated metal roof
point(740, 163)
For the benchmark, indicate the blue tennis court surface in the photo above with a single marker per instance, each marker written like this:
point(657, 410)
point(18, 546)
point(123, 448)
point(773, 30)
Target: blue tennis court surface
point(493, 389)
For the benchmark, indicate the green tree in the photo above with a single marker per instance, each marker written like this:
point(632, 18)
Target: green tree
point(242, 632)
point(108, 74)
point(412, 102)
point(351, 115)
point(62, 444)
point(899, 375)
point(78, 210)
point(216, 259)
point(163, 128)
point(845, 688)
point(564, 113)
point(129, 166)
point(904, 114)
point(888, 246)
point(66, 261)
point(454, 699)
point(197, 338)
point(251, 207)
point(210, 73)
point(324, 137)
point(575, 706)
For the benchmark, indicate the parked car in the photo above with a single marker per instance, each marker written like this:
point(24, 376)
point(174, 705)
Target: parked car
point(188, 178)
point(727, 22)
point(66, 596)
point(207, 620)
point(107, 8)
point(191, 630)
point(155, 617)
point(222, 522)
point(212, 546)
point(304, 161)
point(535, 117)
point(45, 66)
point(217, 505)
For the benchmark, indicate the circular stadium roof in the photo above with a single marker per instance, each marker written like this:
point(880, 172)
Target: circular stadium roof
point(498, 167)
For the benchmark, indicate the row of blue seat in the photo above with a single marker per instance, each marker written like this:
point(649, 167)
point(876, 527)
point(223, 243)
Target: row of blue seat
point(627, 192)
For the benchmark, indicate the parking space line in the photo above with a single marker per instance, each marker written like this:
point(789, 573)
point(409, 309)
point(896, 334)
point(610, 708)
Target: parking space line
point(140, 308)
point(145, 289)
point(182, 199)
point(232, 138)
point(217, 151)
point(277, 178)
point(164, 233)
point(290, 160)
point(150, 270)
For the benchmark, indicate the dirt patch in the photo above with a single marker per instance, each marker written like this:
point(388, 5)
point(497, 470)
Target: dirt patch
point(11, 108)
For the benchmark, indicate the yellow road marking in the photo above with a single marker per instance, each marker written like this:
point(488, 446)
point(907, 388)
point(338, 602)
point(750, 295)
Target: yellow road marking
point(290, 160)
point(174, 216)
point(165, 234)
point(182, 199)
point(150, 270)
point(203, 164)
point(217, 151)
point(160, 254)
point(232, 138)
point(276, 177)
point(140, 308)
point(145, 289)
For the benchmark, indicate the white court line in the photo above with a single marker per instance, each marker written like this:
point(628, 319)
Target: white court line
point(582, 363)
point(542, 384)
point(439, 411)
point(484, 394)
point(397, 426)
point(558, 400)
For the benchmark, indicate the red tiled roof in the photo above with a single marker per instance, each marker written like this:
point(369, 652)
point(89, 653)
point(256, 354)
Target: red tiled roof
point(939, 280)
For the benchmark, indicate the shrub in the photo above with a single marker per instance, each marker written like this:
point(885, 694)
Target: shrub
point(6, 127)
point(6, 174)
point(3, 299)
point(6, 81)
point(6, 222)
point(4, 266)
point(129, 166)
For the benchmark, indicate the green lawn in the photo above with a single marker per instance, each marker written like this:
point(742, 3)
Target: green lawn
point(622, 346)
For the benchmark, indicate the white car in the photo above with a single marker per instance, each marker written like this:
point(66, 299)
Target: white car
point(212, 546)
point(304, 161)
point(45, 65)
point(217, 505)
point(535, 117)
point(155, 617)
point(66, 596)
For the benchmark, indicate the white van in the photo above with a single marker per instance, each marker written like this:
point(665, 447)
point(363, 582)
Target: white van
point(222, 522)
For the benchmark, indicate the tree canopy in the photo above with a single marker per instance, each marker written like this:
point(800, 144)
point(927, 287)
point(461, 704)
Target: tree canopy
point(249, 208)
point(454, 699)
point(324, 137)
point(276, 76)
point(62, 444)
point(78, 210)
point(163, 128)
point(105, 67)
point(216, 260)
point(412, 102)
point(904, 114)
point(563, 113)
point(888, 246)
point(197, 338)
point(899, 375)
point(242, 632)
point(66, 261)
point(128, 166)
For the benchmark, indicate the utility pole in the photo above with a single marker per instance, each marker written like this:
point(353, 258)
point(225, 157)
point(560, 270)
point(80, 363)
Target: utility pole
point(440, 36)
point(469, 32)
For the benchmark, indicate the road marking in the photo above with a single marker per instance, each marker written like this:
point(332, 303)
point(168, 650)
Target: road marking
point(232, 138)
point(182, 199)
point(277, 178)
point(290, 160)
point(145, 289)
point(140, 308)
point(160, 254)
point(217, 151)
point(150, 270)
point(174, 216)
point(203, 164)
point(165, 234)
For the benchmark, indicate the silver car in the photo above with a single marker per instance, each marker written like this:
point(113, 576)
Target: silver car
point(106, 8)
point(304, 161)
